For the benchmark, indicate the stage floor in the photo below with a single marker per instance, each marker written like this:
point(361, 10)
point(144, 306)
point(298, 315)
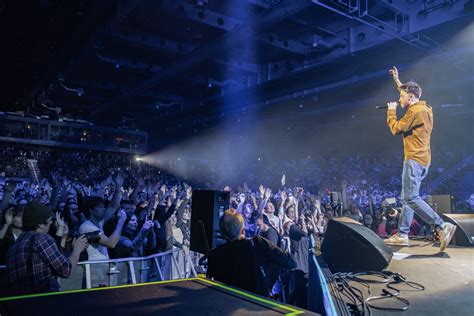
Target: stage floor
point(178, 297)
point(448, 279)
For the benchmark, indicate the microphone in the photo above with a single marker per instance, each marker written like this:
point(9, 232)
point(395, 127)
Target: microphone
point(379, 107)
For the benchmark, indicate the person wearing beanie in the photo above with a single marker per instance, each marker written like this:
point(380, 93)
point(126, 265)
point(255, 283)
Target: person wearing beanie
point(34, 262)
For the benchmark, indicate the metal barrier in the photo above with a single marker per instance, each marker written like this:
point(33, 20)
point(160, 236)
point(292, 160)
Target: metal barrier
point(102, 273)
point(99, 273)
point(323, 296)
point(319, 296)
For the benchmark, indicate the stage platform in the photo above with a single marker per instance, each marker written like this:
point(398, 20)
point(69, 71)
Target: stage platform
point(178, 297)
point(448, 279)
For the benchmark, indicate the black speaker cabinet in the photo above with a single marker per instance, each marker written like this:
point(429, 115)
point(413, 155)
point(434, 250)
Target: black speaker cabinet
point(354, 247)
point(444, 203)
point(464, 235)
point(206, 210)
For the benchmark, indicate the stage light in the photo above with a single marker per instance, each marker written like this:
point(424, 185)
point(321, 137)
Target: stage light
point(137, 159)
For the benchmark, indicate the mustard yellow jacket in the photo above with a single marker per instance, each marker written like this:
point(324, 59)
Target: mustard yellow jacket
point(416, 126)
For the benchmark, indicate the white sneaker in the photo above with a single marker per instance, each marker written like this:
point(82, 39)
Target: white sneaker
point(397, 240)
point(445, 235)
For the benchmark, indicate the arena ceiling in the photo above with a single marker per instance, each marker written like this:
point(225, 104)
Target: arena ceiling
point(154, 64)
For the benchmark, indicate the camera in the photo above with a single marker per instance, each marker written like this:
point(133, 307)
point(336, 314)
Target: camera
point(390, 201)
point(391, 212)
point(92, 237)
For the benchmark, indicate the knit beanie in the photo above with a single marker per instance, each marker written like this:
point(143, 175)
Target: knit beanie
point(35, 213)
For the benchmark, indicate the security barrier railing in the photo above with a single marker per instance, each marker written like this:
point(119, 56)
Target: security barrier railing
point(169, 265)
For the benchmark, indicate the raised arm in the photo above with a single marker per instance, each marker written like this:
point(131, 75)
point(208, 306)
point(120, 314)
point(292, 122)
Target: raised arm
point(240, 206)
point(112, 240)
point(133, 245)
point(115, 203)
point(266, 197)
point(281, 205)
point(182, 206)
point(9, 188)
point(394, 72)
point(55, 193)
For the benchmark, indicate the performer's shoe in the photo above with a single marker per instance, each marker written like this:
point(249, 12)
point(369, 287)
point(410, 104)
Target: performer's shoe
point(445, 235)
point(397, 240)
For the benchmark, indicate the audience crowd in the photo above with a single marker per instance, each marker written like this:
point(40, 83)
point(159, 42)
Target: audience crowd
point(89, 205)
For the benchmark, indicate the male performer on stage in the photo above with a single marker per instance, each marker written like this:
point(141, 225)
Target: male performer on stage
point(416, 126)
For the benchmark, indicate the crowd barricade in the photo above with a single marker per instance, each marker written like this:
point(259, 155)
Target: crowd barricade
point(169, 265)
point(320, 299)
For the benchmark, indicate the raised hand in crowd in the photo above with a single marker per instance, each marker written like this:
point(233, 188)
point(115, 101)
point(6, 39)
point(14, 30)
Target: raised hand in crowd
point(8, 222)
point(122, 215)
point(60, 224)
point(9, 216)
point(241, 199)
point(261, 190)
point(148, 224)
point(268, 193)
point(189, 193)
point(163, 189)
point(169, 201)
point(156, 200)
point(119, 179)
point(174, 192)
point(55, 179)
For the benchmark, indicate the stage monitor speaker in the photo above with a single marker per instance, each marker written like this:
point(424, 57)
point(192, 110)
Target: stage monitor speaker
point(350, 247)
point(207, 208)
point(444, 203)
point(464, 235)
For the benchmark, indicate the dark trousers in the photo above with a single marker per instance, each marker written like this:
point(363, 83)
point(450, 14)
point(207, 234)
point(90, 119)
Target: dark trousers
point(298, 288)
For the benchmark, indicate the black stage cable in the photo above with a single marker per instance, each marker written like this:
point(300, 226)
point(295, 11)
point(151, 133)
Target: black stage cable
point(387, 294)
point(355, 295)
point(398, 278)
point(341, 306)
point(359, 277)
point(367, 285)
point(360, 304)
